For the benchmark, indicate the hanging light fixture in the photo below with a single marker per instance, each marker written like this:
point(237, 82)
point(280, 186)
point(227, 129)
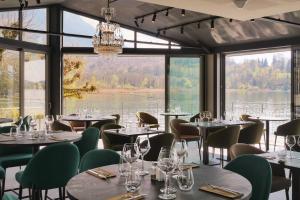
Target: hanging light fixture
point(108, 39)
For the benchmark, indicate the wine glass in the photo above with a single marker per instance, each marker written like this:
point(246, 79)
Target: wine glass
point(166, 163)
point(185, 179)
point(130, 153)
point(180, 148)
point(49, 121)
point(14, 131)
point(144, 147)
point(20, 122)
point(290, 141)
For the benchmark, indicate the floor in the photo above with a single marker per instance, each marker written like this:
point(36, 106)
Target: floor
point(193, 157)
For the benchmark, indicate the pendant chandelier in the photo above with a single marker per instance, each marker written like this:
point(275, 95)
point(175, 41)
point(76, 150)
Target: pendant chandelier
point(108, 40)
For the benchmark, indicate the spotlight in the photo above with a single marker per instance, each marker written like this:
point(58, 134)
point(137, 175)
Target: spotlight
point(136, 23)
point(212, 24)
point(230, 20)
point(181, 29)
point(154, 18)
point(252, 20)
point(142, 21)
point(183, 12)
point(167, 13)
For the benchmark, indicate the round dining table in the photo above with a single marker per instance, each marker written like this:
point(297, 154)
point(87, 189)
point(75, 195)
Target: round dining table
point(175, 114)
point(87, 120)
point(88, 187)
point(28, 141)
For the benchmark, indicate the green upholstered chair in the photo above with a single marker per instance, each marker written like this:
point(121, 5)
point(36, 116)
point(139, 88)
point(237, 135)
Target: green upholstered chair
point(185, 132)
point(279, 180)
point(156, 142)
point(193, 118)
point(60, 126)
point(13, 156)
point(257, 170)
point(290, 128)
point(223, 139)
point(98, 158)
point(88, 141)
point(144, 118)
point(8, 196)
point(52, 167)
point(113, 141)
point(251, 134)
point(2, 177)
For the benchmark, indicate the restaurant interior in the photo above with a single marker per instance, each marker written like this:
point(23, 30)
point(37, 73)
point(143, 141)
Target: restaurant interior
point(149, 99)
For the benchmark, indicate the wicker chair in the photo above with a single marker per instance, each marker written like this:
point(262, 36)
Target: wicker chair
point(144, 118)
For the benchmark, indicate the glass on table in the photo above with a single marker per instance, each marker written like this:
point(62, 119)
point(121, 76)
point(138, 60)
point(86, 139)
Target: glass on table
point(185, 179)
point(133, 182)
point(166, 163)
point(290, 141)
point(181, 150)
point(144, 147)
point(14, 131)
point(48, 122)
point(123, 166)
point(130, 153)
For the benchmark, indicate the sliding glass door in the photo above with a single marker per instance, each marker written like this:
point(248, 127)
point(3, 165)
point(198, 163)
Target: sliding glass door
point(185, 84)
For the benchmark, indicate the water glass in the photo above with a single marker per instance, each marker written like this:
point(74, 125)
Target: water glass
point(123, 167)
point(185, 180)
point(144, 147)
point(133, 182)
point(49, 121)
point(14, 131)
point(290, 141)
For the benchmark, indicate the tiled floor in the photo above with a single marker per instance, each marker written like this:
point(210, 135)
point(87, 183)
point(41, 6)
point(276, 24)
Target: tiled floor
point(193, 157)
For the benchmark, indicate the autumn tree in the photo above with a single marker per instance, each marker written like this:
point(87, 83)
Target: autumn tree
point(73, 68)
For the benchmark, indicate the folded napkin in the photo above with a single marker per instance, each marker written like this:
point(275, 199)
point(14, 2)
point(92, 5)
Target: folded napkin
point(128, 196)
point(101, 173)
point(221, 191)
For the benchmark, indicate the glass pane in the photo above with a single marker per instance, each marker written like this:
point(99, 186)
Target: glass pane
point(77, 42)
point(119, 84)
point(297, 83)
point(9, 84)
point(185, 84)
point(77, 24)
point(147, 38)
point(34, 84)
point(128, 45)
point(151, 46)
point(10, 19)
point(127, 34)
point(35, 19)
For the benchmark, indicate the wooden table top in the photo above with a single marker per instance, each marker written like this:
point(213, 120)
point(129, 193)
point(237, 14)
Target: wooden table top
point(290, 163)
point(87, 187)
point(134, 131)
point(86, 119)
point(27, 140)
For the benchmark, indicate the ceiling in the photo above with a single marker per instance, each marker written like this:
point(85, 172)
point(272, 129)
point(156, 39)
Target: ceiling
point(226, 8)
point(225, 33)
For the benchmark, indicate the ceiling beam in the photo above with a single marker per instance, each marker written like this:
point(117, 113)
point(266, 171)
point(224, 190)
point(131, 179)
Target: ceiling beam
point(290, 23)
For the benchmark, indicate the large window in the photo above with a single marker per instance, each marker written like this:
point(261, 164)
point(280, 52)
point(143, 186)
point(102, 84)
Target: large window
point(124, 85)
point(9, 84)
point(9, 19)
point(184, 83)
point(34, 84)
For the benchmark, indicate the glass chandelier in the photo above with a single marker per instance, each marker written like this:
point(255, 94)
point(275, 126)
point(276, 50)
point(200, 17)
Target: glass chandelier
point(108, 40)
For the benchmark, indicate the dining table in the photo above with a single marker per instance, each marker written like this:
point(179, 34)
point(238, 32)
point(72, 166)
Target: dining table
point(85, 186)
point(134, 132)
point(268, 120)
point(28, 139)
point(204, 130)
point(289, 163)
point(175, 114)
point(5, 120)
point(87, 120)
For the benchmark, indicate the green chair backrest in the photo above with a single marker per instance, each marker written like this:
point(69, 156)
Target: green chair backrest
point(98, 158)
point(8, 196)
point(52, 167)
point(9, 150)
point(89, 141)
point(257, 170)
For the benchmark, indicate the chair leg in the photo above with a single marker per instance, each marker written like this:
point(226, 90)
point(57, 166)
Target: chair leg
point(199, 148)
point(222, 157)
point(213, 154)
point(60, 194)
point(64, 193)
point(46, 194)
point(20, 192)
point(275, 142)
point(287, 194)
point(3, 186)
point(30, 193)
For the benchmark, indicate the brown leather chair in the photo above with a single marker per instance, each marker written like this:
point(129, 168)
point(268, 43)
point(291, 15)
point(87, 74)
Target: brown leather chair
point(223, 139)
point(60, 126)
point(182, 131)
point(193, 118)
point(113, 141)
point(279, 180)
point(147, 119)
point(77, 125)
point(251, 134)
point(156, 142)
point(118, 117)
point(289, 128)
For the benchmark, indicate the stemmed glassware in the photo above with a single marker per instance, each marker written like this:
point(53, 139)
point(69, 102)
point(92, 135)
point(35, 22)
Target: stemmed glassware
point(166, 163)
point(181, 150)
point(48, 121)
point(290, 141)
point(144, 147)
point(131, 153)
